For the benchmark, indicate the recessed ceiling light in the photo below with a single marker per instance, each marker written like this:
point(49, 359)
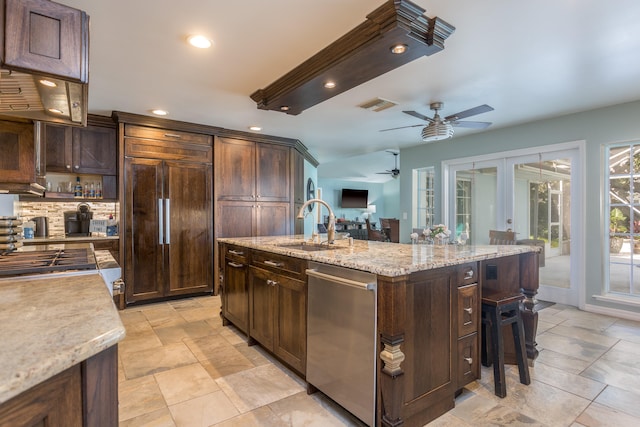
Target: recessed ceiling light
point(48, 83)
point(159, 112)
point(55, 110)
point(284, 108)
point(330, 85)
point(255, 128)
point(199, 41)
point(399, 49)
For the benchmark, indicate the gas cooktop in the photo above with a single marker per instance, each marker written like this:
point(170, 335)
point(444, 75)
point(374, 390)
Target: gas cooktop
point(46, 261)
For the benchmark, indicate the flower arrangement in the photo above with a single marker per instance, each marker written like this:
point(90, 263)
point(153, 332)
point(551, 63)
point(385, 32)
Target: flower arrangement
point(439, 231)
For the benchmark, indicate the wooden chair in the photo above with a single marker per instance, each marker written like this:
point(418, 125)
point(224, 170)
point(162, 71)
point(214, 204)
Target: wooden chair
point(391, 227)
point(376, 235)
point(497, 237)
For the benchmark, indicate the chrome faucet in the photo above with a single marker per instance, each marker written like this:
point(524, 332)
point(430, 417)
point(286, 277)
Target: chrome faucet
point(331, 229)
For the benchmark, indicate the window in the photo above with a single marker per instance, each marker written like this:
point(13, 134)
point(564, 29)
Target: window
point(463, 205)
point(623, 221)
point(424, 197)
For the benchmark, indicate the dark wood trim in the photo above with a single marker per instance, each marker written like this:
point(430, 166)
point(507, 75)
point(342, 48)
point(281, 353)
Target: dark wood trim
point(100, 388)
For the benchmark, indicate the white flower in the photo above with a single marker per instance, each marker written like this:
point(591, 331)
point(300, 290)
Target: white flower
point(426, 232)
point(413, 236)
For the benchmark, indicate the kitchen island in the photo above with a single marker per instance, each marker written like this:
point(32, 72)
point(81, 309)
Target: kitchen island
point(59, 338)
point(428, 309)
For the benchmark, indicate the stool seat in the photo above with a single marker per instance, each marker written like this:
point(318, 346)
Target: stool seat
point(501, 308)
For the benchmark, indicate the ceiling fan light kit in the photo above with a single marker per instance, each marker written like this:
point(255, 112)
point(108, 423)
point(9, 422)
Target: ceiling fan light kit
point(437, 131)
point(394, 34)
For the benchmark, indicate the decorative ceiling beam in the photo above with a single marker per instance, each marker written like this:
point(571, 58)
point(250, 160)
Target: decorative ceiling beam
point(357, 57)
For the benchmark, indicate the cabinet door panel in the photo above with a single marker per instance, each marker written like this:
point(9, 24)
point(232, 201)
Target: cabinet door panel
point(144, 272)
point(291, 335)
point(189, 245)
point(273, 219)
point(468, 313)
point(235, 219)
point(261, 306)
point(235, 169)
point(273, 173)
point(95, 150)
point(235, 302)
point(58, 140)
point(17, 161)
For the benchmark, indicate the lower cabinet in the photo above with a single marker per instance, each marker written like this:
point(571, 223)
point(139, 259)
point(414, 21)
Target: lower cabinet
point(84, 395)
point(278, 315)
point(235, 289)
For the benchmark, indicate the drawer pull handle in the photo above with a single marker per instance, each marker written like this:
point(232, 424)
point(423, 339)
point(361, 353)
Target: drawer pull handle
point(235, 265)
point(469, 360)
point(232, 252)
point(468, 274)
point(271, 282)
point(172, 135)
point(469, 310)
point(274, 263)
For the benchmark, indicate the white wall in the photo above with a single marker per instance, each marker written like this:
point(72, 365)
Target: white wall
point(6, 204)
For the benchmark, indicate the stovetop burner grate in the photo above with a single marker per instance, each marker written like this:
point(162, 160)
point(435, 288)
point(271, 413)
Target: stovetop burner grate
point(38, 262)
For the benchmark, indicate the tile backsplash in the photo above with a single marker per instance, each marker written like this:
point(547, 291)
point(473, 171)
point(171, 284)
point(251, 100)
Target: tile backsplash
point(55, 212)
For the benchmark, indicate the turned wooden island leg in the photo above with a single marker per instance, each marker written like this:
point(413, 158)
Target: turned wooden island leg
point(529, 280)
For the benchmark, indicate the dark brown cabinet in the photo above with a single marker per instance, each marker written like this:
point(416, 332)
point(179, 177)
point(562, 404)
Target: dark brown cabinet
point(18, 160)
point(84, 395)
point(278, 315)
point(56, 42)
point(167, 203)
point(89, 150)
point(235, 302)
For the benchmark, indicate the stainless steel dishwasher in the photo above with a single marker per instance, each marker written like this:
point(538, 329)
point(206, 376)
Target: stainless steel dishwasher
point(341, 337)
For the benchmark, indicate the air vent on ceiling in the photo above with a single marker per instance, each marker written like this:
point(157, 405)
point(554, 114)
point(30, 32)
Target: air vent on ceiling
point(377, 104)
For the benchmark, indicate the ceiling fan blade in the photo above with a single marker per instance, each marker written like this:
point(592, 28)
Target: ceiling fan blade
point(384, 173)
point(401, 127)
point(484, 108)
point(419, 116)
point(472, 125)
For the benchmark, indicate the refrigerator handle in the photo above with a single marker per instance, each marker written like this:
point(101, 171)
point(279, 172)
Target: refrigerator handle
point(167, 222)
point(160, 223)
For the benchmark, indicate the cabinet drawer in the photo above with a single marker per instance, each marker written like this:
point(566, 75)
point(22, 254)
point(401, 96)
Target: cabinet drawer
point(279, 263)
point(468, 366)
point(236, 253)
point(167, 135)
point(467, 273)
point(468, 310)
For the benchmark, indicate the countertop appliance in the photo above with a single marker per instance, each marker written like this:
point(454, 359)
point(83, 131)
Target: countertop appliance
point(341, 337)
point(76, 223)
point(42, 226)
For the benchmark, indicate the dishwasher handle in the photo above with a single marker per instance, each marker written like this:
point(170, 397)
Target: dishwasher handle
point(342, 280)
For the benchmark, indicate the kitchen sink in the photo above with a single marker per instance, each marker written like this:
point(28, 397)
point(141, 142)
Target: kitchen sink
point(308, 247)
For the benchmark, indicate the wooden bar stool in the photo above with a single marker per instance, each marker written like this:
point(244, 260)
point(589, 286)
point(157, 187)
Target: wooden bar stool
point(502, 308)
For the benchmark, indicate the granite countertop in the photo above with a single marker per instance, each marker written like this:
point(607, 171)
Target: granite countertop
point(385, 259)
point(51, 323)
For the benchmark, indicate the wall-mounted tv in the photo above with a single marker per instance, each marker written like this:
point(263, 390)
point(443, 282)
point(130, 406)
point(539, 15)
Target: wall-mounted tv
point(354, 198)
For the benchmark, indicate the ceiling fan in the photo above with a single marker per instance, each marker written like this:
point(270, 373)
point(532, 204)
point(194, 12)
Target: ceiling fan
point(439, 128)
point(395, 171)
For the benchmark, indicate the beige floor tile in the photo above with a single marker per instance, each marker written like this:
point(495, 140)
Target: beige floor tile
point(185, 303)
point(162, 315)
point(259, 386)
point(302, 409)
point(628, 331)
point(256, 354)
point(621, 400)
point(203, 411)
point(614, 373)
point(260, 417)
point(160, 418)
point(207, 347)
point(597, 415)
point(586, 335)
point(233, 335)
point(138, 342)
point(567, 381)
point(211, 301)
point(139, 396)
point(146, 362)
point(177, 333)
point(571, 346)
point(196, 313)
point(561, 361)
point(184, 383)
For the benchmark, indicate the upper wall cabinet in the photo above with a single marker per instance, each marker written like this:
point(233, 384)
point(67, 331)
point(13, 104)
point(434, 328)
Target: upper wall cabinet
point(89, 150)
point(46, 37)
point(44, 58)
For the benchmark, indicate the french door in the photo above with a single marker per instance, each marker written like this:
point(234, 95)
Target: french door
point(531, 192)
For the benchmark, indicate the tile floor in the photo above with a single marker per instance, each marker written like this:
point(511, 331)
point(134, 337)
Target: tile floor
point(178, 366)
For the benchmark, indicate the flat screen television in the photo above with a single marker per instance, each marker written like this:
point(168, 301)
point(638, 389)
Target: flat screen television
point(354, 198)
